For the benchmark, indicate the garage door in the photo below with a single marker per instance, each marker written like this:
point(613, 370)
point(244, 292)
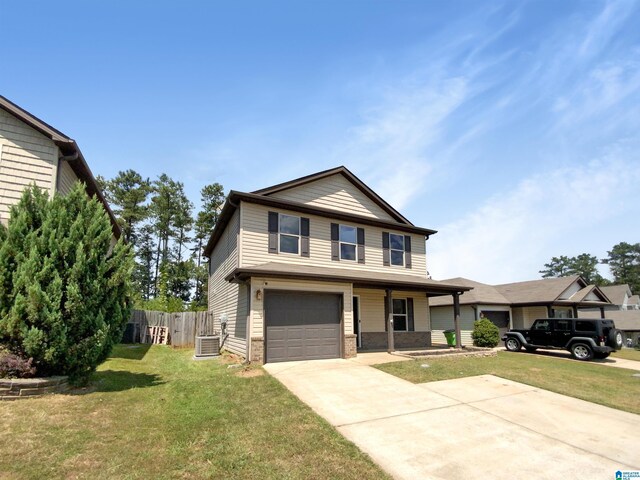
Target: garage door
point(302, 326)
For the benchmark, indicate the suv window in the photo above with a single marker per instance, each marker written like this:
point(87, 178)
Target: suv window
point(563, 325)
point(585, 326)
point(541, 325)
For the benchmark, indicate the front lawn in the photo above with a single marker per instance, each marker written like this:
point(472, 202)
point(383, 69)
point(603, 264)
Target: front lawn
point(628, 354)
point(155, 413)
point(613, 387)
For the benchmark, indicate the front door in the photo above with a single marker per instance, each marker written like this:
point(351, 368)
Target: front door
point(356, 321)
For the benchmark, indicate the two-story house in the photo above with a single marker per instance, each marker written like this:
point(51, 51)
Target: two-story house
point(319, 267)
point(32, 152)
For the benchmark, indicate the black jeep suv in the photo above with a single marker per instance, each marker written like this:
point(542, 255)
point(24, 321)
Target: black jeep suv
point(584, 338)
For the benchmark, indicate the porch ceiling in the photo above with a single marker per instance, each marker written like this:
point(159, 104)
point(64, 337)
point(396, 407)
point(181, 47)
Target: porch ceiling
point(359, 279)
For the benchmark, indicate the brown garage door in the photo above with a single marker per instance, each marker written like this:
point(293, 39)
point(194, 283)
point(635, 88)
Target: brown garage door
point(302, 326)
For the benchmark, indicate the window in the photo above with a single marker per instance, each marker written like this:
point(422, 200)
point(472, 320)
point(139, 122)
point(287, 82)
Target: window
point(541, 325)
point(396, 246)
point(400, 314)
point(348, 242)
point(563, 326)
point(585, 326)
point(289, 241)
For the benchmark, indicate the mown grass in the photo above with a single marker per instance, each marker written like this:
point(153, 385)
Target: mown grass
point(158, 414)
point(613, 387)
point(628, 354)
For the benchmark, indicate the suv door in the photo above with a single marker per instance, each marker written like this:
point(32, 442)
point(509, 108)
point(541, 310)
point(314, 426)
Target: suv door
point(540, 333)
point(561, 332)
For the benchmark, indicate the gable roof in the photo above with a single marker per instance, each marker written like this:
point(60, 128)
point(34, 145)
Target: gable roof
point(262, 197)
point(546, 290)
point(617, 292)
point(344, 171)
point(481, 294)
point(69, 148)
point(633, 300)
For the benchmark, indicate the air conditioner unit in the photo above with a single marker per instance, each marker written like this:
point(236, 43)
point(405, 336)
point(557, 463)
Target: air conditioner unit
point(207, 346)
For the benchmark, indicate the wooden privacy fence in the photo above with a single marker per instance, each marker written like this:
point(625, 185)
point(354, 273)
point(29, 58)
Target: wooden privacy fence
point(182, 326)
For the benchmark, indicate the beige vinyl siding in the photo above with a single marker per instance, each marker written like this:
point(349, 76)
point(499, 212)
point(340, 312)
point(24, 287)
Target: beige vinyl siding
point(336, 193)
point(523, 317)
point(66, 178)
point(255, 240)
point(257, 304)
point(442, 319)
point(372, 317)
point(573, 288)
point(26, 157)
point(226, 298)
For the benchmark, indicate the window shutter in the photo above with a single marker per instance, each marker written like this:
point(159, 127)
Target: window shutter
point(407, 251)
point(273, 232)
point(304, 237)
point(335, 242)
point(410, 323)
point(385, 249)
point(386, 313)
point(360, 245)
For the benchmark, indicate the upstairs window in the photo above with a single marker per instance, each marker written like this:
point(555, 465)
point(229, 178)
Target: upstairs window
point(289, 241)
point(288, 234)
point(396, 250)
point(348, 243)
point(396, 244)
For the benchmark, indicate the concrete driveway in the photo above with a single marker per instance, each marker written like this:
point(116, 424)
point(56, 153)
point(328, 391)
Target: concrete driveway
point(477, 427)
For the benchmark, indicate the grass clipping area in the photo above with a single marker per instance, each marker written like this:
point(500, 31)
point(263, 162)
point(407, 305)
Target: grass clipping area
point(155, 413)
point(612, 387)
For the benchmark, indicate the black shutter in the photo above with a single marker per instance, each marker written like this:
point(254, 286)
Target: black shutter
point(304, 237)
point(360, 245)
point(385, 249)
point(273, 232)
point(386, 313)
point(410, 323)
point(407, 251)
point(335, 242)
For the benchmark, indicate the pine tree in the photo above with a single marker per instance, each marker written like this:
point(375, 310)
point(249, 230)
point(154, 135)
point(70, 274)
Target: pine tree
point(67, 293)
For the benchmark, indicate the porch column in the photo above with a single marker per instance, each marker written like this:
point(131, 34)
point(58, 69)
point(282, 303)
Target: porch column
point(601, 312)
point(456, 319)
point(549, 311)
point(390, 346)
point(575, 311)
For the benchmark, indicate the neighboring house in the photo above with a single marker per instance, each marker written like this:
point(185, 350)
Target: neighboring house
point(516, 305)
point(317, 268)
point(626, 320)
point(621, 297)
point(33, 152)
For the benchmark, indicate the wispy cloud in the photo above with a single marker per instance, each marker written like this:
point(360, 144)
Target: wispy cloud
point(510, 236)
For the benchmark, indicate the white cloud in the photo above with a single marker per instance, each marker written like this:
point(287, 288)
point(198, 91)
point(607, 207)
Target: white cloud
point(510, 236)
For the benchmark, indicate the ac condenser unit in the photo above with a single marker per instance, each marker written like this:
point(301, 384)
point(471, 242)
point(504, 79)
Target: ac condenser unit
point(207, 346)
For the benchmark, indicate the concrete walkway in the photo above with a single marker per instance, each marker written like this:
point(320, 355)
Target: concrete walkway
point(479, 427)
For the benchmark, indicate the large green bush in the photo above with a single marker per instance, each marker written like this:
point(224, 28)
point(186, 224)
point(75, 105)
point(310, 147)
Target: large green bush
point(65, 293)
point(485, 333)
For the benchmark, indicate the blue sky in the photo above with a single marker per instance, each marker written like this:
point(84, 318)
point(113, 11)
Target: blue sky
point(513, 128)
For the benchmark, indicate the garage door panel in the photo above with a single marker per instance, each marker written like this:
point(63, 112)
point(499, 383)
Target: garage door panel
point(302, 326)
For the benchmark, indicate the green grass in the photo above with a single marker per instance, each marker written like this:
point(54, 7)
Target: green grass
point(158, 414)
point(628, 354)
point(613, 387)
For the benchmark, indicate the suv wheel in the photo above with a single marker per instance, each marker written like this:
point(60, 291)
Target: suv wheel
point(581, 351)
point(615, 338)
point(512, 344)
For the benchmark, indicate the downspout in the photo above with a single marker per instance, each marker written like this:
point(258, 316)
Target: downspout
point(64, 158)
